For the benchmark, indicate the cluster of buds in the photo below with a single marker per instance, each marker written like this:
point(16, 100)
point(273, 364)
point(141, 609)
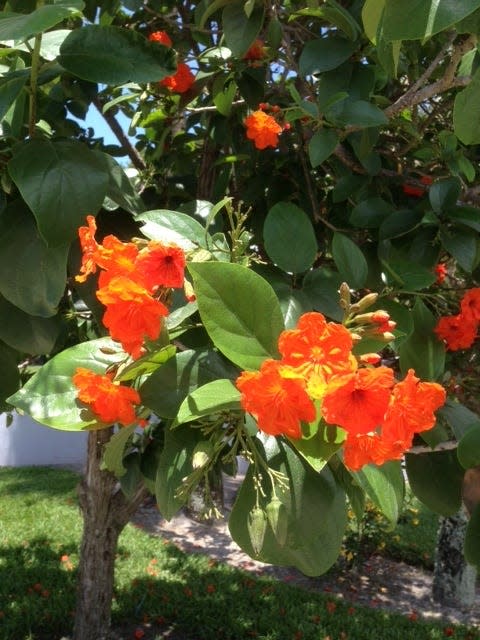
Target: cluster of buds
point(373, 324)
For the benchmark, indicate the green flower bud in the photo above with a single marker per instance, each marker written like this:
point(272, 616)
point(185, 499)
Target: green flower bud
point(278, 519)
point(257, 526)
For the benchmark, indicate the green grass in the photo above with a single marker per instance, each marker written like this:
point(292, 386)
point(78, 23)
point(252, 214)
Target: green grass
point(157, 586)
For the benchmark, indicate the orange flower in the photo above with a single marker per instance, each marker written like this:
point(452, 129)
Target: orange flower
point(161, 37)
point(279, 403)
point(110, 401)
point(161, 265)
point(262, 129)
point(132, 314)
point(371, 448)
point(441, 272)
point(181, 81)
point(458, 332)
point(470, 304)
point(90, 249)
point(256, 51)
point(358, 401)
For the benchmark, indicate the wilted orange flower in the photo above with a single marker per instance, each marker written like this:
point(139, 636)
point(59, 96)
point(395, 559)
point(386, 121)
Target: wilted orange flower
point(470, 304)
point(161, 37)
point(110, 401)
point(181, 81)
point(161, 265)
point(256, 51)
point(262, 129)
point(279, 403)
point(132, 313)
point(358, 401)
point(458, 332)
point(90, 248)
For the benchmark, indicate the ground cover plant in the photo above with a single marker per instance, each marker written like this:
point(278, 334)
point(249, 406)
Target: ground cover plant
point(157, 586)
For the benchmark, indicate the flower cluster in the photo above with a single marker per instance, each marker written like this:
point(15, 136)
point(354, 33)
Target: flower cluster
point(257, 51)
point(182, 80)
point(263, 128)
point(319, 379)
point(131, 281)
point(461, 330)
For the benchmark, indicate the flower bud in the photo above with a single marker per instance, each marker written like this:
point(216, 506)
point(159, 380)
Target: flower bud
point(257, 526)
point(387, 336)
point(278, 519)
point(363, 318)
point(202, 454)
point(345, 298)
point(370, 358)
point(380, 316)
point(365, 302)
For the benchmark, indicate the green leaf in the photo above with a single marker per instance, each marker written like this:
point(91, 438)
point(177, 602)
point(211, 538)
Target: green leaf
point(360, 113)
point(145, 365)
point(49, 396)
point(21, 26)
point(399, 224)
point(10, 378)
point(61, 181)
point(436, 479)
point(166, 388)
point(175, 464)
point(422, 350)
point(321, 286)
point(33, 275)
point(370, 213)
point(472, 536)
point(172, 226)
point(444, 193)
point(321, 146)
point(314, 506)
point(113, 55)
point(349, 260)
point(407, 275)
point(468, 216)
point(131, 479)
point(317, 449)
point(115, 449)
point(239, 29)
point(239, 310)
point(385, 487)
point(421, 19)
point(461, 245)
point(10, 88)
point(214, 397)
point(325, 54)
point(120, 188)
point(466, 112)
point(458, 417)
point(468, 450)
point(30, 334)
point(289, 238)
point(223, 92)
point(372, 13)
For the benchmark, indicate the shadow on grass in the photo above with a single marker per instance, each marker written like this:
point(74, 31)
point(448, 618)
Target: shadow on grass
point(20, 480)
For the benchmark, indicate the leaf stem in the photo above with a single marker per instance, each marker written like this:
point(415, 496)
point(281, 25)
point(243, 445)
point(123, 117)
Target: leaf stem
point(32, 117)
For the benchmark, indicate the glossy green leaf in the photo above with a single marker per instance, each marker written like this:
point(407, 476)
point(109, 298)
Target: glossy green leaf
point(130, 480)
point(223, 91)
point(406, 274)
point(321, 286)
point(458, 417)
point(399, 224)
point(26, 333)
point(461, 245)
point(21, 26)
point(10, 378)
point(172, 226)
point(321, 146)
point(444, 193)
point(385, 487)
point(145, 365)
point(372, 13)
point(472, 537)
point(61, 181)
point(421, 19)
point(167, 387)
point(214, 397)
point(113, 55)
point(318, 448)
point(293, 303)
point(324, 54)
point(436, 479)
point(370, 213)
point(468, 450)
point(349, 260)
point(49, 396)
point(33, 275)
point(465, 215)
point(289, 238)
point(10, 88)
point(466, 112)
point(115, 449)
point(120, 188)
point(360, 113)
point(422, 350)
point(315, 510)
point(239, 29)
point(239, 310)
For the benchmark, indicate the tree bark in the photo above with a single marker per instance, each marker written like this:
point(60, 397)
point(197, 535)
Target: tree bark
point(105, 511)
point(453, 578)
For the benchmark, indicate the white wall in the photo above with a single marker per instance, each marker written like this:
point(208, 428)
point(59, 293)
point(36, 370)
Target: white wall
point(27, 443)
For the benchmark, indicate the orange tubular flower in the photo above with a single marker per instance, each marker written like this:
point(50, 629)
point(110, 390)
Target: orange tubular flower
point(279, 403)
point(262, 129)
point(358, 401)
point(470, 304)
point(161, 265)
point(458, 332)
point(90, 249)
point(369, 448)
point(132, 314)
point(161, 37)
point(111, 402)
point(181, 81)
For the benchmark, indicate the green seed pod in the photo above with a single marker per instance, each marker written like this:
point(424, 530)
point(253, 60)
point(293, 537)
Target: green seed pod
point(257, 526)
point(278, 519)
point(202, 454)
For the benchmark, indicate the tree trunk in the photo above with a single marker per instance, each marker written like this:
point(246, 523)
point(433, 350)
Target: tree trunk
point(105, 511)
point(453, 578)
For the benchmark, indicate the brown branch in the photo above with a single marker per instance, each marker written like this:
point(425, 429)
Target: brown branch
point(449, 445)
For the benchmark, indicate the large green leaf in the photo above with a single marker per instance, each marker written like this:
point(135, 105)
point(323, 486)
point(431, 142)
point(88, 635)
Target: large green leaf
point(62, 181)
point(33, 275)
point(458, 417)
point(289, 238)
point(120, 188)
point(399, 223)
point(30, 334)
point(320, 446)
point(468, 450)
point(406, 274)
point(239, 310)
point(422, 350)
point(461, 245)
point(466, 112)
point(436, 479)
point(315, 510)
point(172, 226)
point(239, 29)
point(164, 391)
point(385, 486)
point(472, 538)
point(21, 26)
point(359, 113)
point(214, 397)
point(321, 146)
point(113, 55)
point(421, 19)
point(370, 213)
point(49, 396)
point(349, 260)
point(115, 449)
point(10, 88)
point(325, 54)
point(10, 378)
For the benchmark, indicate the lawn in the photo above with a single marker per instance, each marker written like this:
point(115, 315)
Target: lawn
point(159, 588)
